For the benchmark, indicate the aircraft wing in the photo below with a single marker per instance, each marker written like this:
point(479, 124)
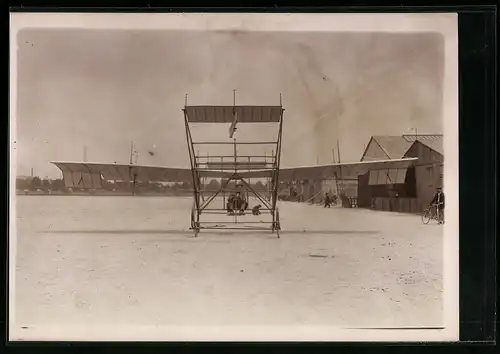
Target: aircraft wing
point(88, 174)
point(345, 170)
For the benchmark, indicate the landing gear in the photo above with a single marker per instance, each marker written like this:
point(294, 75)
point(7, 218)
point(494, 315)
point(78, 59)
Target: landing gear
point(276, 222)
point(195, 222)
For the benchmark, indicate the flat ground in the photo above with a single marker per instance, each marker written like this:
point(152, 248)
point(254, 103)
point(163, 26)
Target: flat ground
point(116, 260)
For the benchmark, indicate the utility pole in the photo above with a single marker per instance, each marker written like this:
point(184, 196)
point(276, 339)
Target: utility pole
point(131, 152)
point(335, 174)
point(84, 153)
point(338, 150)
point(340, 167)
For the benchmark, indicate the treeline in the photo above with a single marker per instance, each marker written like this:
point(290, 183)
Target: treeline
point(37, 184)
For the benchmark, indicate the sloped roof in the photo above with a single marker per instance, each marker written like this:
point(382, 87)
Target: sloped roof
point(394, 146)
point(423, 137)
point(435, 144)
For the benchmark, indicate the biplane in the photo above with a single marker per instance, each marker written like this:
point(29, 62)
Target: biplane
point(236, 168)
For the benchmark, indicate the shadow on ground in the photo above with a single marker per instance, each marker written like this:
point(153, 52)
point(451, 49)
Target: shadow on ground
point(211, 232)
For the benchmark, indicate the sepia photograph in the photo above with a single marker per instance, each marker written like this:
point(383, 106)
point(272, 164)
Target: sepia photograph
point(262, 177)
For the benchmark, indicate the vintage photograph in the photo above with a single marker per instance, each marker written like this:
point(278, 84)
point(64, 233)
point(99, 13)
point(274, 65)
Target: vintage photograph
point(234, 177)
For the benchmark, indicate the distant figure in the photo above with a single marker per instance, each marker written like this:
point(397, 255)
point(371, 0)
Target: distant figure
point(328, 200)
point(438, 200)
point(256, 209)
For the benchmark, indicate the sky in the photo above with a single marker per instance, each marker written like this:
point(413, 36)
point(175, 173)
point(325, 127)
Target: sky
point(106, 88)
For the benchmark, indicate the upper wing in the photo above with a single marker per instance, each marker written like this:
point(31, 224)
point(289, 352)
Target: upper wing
point(349, 169)
point(88, 175)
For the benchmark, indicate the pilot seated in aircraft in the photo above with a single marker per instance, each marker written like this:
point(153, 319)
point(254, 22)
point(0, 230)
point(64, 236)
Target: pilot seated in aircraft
point(256, 209)
point(240, 203)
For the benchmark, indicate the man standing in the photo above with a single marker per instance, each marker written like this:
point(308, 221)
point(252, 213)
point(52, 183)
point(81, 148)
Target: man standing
point(438, 201)
point(328, 201)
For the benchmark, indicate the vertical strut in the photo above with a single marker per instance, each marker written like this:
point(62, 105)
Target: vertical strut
point(192, 158)
point(278, 158)
point(235, 171)
point(249, 180)
point(221, 181)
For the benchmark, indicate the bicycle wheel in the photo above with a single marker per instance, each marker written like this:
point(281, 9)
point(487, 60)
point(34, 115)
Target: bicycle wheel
point(426, 216)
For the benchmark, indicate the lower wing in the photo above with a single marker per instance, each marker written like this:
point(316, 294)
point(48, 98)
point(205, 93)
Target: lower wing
point(339, 170)
point(90, 175)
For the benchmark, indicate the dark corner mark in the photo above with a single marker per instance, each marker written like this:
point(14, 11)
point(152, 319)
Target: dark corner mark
point(477, 167)
point(271, 7)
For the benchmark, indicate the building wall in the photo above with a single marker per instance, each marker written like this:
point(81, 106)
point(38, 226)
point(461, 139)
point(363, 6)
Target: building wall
point(364, 191)
point(368, 193)
point(424, 154)
point(374, 152)
point(428, 171)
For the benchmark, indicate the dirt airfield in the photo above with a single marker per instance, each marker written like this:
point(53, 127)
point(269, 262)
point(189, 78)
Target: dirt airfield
point(86, 261)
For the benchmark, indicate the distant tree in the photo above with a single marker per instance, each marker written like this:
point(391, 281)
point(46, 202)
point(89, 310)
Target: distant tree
point(213, 185)
point(58, 184)
point(35, 183)
point(260, 186)
point(22, 183)
point(46, 183)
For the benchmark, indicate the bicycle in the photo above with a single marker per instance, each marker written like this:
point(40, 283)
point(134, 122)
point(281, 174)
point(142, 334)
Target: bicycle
point(432, 213)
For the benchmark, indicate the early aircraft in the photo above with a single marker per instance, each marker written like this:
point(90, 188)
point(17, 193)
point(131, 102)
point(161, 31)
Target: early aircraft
point(228, 168)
